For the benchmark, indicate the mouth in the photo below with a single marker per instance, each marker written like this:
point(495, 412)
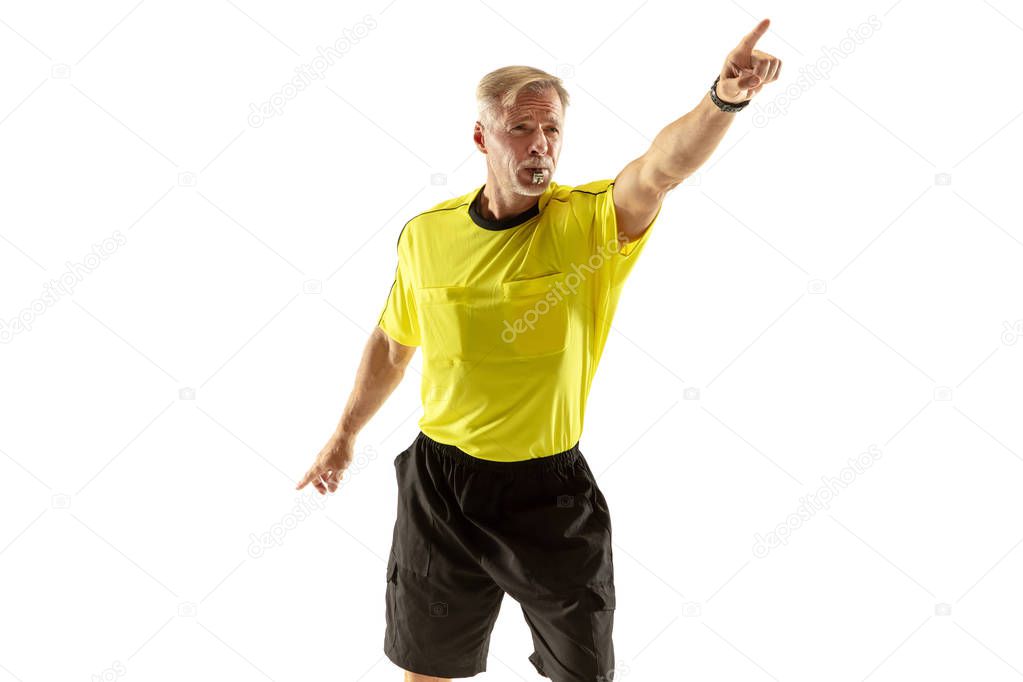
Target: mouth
point(538, 173)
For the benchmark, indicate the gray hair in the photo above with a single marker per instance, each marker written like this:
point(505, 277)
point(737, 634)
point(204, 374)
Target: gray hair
point(498, 89)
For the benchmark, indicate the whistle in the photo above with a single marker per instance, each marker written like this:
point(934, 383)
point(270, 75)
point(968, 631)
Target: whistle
point(537, 177)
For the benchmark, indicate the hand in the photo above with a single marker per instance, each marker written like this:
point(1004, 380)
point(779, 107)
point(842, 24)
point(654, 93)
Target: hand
point(747, 70)
point(325, 474)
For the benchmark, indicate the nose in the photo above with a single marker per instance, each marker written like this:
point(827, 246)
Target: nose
point(538, 145)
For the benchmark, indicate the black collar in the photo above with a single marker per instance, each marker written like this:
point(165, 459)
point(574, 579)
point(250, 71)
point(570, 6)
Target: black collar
point(503, 223)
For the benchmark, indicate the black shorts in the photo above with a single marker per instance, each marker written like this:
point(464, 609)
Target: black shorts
point(468, 531)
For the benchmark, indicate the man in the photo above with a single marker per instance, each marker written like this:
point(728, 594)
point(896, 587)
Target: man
point(510, 290)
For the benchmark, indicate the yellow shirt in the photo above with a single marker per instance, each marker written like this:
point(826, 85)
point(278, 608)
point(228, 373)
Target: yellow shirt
point(512, 316)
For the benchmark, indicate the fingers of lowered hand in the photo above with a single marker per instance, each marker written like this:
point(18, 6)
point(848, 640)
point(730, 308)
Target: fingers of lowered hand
point(312, 476)
point(318, 484)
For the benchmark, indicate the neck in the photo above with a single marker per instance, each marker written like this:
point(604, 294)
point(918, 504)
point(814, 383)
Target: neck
point(497, 203)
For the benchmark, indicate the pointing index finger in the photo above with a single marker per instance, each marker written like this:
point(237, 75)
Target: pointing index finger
point(753, 36)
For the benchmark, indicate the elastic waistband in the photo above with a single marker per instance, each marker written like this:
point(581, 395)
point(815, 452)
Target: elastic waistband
point(558, 461)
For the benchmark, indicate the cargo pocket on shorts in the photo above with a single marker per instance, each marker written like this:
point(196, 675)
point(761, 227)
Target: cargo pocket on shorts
point(602, 624)
point(390, 614)
point(413, 526)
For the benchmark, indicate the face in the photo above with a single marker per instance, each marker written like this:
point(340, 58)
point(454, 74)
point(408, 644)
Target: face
point(524, 137)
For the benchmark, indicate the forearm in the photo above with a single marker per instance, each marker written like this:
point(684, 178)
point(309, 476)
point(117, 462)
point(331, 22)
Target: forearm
point(685, 144)
point(377, 377)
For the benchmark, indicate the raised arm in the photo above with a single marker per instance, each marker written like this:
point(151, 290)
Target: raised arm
point(685, 144)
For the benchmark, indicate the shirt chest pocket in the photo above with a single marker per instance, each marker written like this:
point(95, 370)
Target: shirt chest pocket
point(516, 319)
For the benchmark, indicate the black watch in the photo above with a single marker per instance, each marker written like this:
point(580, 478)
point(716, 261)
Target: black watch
point(725, 106)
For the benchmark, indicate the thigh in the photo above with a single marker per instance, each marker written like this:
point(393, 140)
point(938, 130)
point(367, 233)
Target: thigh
point(440, 604)
point(553, 537)
point(569, 599)
point(572, 634)
point(440, 625)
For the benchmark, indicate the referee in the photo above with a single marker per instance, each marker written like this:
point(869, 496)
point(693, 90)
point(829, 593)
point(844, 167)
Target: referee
point(510, 291)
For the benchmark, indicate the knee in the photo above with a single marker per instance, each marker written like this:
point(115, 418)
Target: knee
point(416, 677)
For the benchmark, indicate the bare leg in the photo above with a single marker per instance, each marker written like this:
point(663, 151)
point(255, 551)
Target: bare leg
point(415, 677)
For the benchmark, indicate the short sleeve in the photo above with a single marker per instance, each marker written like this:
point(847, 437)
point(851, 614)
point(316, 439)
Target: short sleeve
point(611, 261)
point(399, 318)
point(619, 259)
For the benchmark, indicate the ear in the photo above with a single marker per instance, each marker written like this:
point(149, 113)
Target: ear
point(477, 137)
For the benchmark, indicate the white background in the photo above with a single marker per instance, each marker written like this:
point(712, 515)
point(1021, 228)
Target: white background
point(819, 287)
